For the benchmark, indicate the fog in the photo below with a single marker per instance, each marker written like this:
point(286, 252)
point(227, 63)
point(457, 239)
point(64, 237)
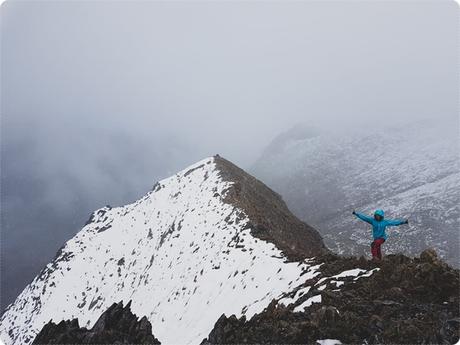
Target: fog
point(101, 99)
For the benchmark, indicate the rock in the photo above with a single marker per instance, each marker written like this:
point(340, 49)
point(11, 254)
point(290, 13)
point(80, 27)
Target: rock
point(376, 324)
point(116, 325)
point(429, 255)
point(270, 219)
point(325, 316)
point(409, 300)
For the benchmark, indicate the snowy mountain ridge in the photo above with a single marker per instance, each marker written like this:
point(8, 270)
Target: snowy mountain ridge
point(194, 247)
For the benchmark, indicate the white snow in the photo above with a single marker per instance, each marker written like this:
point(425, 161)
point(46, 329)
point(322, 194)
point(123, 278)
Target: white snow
point(338, 283)
point(329, 342)
point(308, 302)
point(367, 274)
point(349, 273)
point(288, 300)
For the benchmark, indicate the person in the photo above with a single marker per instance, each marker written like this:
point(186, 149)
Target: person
point(379, 225)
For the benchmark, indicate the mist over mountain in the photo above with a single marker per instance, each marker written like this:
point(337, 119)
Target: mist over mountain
point(410, 170)
point(100, 99)
point(94, 111)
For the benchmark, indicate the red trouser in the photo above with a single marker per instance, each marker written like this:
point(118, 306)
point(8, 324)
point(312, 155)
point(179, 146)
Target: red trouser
point(375, 248)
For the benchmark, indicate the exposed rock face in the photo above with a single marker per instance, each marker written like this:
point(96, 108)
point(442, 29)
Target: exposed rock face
point(117, 325)
point(270, 219)
point(408, 301)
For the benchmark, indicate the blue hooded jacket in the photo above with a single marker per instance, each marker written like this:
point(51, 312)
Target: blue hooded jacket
point(378, 227)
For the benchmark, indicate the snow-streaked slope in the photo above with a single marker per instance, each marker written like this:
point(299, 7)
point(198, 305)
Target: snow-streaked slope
point(434, 213)
point(180, 253)
point(410, 171)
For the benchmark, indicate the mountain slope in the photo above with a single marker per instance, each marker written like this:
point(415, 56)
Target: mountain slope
point(207, 241)
point(411, 171)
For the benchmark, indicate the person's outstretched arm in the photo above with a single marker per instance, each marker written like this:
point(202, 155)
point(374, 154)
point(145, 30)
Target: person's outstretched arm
point(361, 216)
point(396, 222)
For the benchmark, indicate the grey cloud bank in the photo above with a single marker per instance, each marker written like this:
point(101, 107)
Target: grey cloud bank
point(100, 99)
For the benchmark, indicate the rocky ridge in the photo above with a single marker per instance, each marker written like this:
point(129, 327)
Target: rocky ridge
point(270, 219)
point(117, 325)
point(405, 301)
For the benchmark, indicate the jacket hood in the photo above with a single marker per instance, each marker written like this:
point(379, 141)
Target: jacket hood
point(380, 213)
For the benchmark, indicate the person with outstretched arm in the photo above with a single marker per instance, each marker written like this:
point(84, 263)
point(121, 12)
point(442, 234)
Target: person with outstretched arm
point(379, 225)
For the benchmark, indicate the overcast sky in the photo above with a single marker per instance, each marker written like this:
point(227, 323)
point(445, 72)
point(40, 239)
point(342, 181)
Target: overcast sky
point(99, 99)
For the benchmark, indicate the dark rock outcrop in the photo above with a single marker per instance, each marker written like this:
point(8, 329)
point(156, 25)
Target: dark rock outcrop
point(270, 218)
point(408, 301)
point(117, 325)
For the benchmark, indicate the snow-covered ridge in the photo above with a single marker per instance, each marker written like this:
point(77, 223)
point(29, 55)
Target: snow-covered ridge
point(181, 254)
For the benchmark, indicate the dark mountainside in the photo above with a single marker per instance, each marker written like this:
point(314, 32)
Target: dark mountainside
point(116, 325)
point(408, 301)
point(270, 218)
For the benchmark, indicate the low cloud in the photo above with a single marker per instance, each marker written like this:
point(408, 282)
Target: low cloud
point(100, 99)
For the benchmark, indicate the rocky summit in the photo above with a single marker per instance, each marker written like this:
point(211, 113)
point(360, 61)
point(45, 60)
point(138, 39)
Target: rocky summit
point(405, 301)
point(117, 325)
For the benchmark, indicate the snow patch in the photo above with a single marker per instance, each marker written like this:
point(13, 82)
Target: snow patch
point(307, 303)
point(329, 342)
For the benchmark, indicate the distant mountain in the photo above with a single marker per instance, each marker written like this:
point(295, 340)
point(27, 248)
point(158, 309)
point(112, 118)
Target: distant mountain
point(209, 240)
point(411, 171)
